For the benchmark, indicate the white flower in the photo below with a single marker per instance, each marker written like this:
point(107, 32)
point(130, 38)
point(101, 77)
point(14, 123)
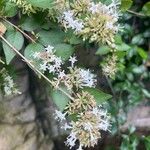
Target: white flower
point(9, 85)
point(93, 139)
point(78, 25)
point(111, 9)
point(80, 147)
point(7, 90)
point(51, 69)
point(43, 67)
point(69, 21)
point(68, 15)
point(36, 55)
point(94, 8)
point(72, 60)
point(71, 139)
point(59, 115)
point(98, 111)
point(88, 126)
point(95, 111)
point(49, 49)
point(109, 25)
point(88, 79)
point(61, 74)
point(66, 126)
point(104, 125)
point(57, 62)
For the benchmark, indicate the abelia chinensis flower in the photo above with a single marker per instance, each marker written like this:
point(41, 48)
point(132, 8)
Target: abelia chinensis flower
point(94, 21)
point(87, 128)
point(110, 66)
point(8, 86)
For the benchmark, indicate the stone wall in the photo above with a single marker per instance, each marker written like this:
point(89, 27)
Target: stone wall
point(20, 128)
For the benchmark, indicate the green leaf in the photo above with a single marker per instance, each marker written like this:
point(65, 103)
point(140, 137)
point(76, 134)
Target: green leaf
point(147, 142)
point(123, 47)
point(142, 53)
point(2, 4)
point(103, 50)
point(146, 93)
point(72, 38)
point(42, 3)
point(120, 54)
point(29, 24)
point(10, 9)
point(64, 51)
point(118, 39)
point(51, 37)
point(125, 4)
point(138, 39)
point(16, 39)
point(99, 95)
point(60, 99)
point(30, 51)
point(146, 9)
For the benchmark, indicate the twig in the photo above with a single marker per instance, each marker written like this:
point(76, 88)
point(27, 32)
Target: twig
point(26, 35)
point(135, 13)
point(2, 61)
point(33, 67)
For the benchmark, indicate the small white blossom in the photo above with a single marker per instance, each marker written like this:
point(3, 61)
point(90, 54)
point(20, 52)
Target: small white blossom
point(9, 85)
point(43, 67)
point(80, 147)
point(88, 79)
point(94, 8)
point(78, 26)
point(71, 139)
point(67, 126)
point(61, 74)
point(88, 126)
point(57, 62)
point(36, 55)
point(95, 111)
point(68, 15)
point(69, 21)
point(49, 49)
point(59, 115)
point(104, 125)
point(72, 60)
point(109, 25)
point(51, 69)
point(7, 90)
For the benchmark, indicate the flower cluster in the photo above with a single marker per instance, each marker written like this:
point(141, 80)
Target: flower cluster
point(86, 130)
point(49, 61)
point(75, 78)
point(9, 87)
point(25, 6)
point(69, 21)
point(78, 78)
point(90, 118)
point(110, 66)
point(82, 101)
point(94, 21)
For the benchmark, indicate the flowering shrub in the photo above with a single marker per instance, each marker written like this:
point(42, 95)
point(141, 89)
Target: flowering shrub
point(53, 31)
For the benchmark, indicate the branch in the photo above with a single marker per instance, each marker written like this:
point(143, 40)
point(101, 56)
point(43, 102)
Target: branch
point(33, 67)
point(135, 13)
point(2, 61)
